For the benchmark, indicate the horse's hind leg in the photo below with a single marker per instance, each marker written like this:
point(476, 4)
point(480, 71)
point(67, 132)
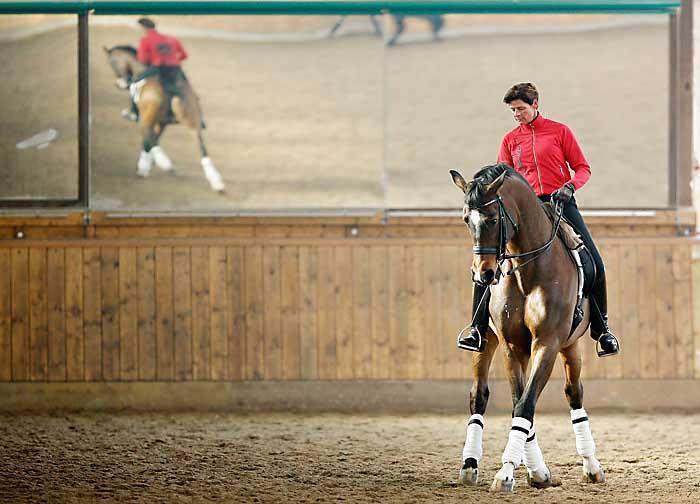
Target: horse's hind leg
point(478, 400)
point(585, 446)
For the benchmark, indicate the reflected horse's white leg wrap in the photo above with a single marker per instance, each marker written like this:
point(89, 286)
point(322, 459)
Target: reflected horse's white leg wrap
point(533, 458)
point(515, 449)
point(585, 446)
point(475, 433)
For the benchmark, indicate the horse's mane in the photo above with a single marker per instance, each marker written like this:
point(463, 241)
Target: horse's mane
point(484, 177)
point(126, 48)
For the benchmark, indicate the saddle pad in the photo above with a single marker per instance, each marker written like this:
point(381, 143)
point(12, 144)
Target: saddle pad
point(568, 236)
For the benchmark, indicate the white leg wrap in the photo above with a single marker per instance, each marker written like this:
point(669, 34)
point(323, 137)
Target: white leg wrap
point(212, 174)
point(533, 458)
point(516, 441)
point(475, 433)
point(161, 158)
point(144, 164)
point(585, 446)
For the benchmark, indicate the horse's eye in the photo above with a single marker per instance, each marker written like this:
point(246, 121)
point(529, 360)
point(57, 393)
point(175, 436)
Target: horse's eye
point(493, 221)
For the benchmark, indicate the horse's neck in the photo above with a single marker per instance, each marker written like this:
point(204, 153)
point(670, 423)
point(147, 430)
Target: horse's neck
point(136, 66)
point(534, 227)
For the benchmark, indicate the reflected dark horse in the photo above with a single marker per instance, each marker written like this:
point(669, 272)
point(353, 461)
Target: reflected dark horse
point(436, 23)
point(154, 113)
point(531, 311)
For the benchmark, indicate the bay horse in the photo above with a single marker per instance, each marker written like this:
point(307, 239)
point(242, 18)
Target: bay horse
point(534, 291)
point(154, 109)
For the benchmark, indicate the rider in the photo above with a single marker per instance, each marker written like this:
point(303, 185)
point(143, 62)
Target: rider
point(162, 54)
point(543, 151)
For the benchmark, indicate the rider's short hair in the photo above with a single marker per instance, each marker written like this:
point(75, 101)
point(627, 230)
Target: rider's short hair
point(147, 23)
point(525, 91)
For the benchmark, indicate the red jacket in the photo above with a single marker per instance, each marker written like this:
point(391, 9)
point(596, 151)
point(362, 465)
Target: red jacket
point(160, 50)
point(544, 152)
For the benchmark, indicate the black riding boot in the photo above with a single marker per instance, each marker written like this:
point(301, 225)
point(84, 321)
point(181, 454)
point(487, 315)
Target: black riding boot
point(607, 342)
point(473, 337)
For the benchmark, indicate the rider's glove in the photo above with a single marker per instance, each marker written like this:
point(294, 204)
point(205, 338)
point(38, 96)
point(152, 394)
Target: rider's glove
point(564, 193)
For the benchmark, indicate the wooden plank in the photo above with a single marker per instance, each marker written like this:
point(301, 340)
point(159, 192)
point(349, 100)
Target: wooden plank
point(201, 336)
point(452, 322)
point(417, 330)
point(613, 368)
point(646, 296)
point(379, 285)
point(398, 313)
point(92, 309)
point(272, 313)
point(291, 361)
point(20, 314)
point(145, 272)
point(38, 316)
point(465, 291)
point(695, 266)
point(308, 327)
point(434, 338)
point(629, 311)
point(128, 315)
point(344, 313)
point(235, 287)
point(165, 326)
point(56, 292)
point(5, 315)
point(665, 327)
point(182, 313)
point(254, 336)
point(683, 310)
point(218, 314)
point(327, 361)
point(75, 349)
point(110, 313)
point(362, 314)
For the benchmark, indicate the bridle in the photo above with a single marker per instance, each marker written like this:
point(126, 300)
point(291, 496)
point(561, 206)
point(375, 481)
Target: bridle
point(500, 250)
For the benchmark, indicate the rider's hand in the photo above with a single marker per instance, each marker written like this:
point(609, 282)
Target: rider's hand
point(564, 193)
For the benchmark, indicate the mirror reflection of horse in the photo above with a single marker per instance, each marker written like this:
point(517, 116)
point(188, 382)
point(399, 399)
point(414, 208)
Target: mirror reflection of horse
point(436, 23)
point(534, 291)
point(154, 114)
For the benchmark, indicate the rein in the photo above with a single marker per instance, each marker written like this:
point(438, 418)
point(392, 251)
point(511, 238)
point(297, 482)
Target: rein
point(500, 250)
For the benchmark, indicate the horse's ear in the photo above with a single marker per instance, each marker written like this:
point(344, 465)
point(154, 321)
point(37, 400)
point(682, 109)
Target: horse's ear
point(459, 180)
point(496, 184)
point(105, 49)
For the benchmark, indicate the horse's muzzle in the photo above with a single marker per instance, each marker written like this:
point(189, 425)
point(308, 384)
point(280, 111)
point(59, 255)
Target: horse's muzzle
point(484, 277)
point(121, 83)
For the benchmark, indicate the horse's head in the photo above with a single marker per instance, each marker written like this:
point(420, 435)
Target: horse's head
point(487, 218)
point(122, 59)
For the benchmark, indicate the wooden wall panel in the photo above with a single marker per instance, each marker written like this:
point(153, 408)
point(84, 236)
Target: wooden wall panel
point(75, 335)
point(56, 297)
point(5, 316)
point(165, 327)
point(128, 315)
point(110, 313)
point(294, 309)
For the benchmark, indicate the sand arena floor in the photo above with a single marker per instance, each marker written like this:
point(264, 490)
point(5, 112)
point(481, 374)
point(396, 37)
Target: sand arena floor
point(329, 458)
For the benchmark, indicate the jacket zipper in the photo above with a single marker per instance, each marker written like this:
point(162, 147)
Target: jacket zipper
point(534, 156)
point(561, 171)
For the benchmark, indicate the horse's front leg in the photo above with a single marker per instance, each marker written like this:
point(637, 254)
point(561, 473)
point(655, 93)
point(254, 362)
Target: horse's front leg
point(585, 446)
point(544, 358)
point(478, 400)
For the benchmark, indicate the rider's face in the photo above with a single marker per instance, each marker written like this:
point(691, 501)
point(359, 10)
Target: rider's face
point(523, 112)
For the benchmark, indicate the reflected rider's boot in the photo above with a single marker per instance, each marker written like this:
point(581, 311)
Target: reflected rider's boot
point(473, 337)
point(607, 344)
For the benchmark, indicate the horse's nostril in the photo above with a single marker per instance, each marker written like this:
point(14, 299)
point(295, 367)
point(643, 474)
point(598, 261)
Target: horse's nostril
point(489, 276)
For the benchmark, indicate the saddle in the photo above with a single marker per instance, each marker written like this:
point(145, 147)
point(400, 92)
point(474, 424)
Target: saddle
point(580, 256)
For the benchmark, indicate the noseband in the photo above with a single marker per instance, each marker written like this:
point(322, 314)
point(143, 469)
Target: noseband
point(500, 250)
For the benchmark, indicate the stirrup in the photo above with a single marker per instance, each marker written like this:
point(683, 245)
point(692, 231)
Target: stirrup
point(473, 342)
point(610, 353)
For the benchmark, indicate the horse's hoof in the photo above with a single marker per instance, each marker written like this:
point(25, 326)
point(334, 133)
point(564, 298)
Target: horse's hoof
point(598, 477)
point(503, 486)
point(552, 481)
point(469, 473)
